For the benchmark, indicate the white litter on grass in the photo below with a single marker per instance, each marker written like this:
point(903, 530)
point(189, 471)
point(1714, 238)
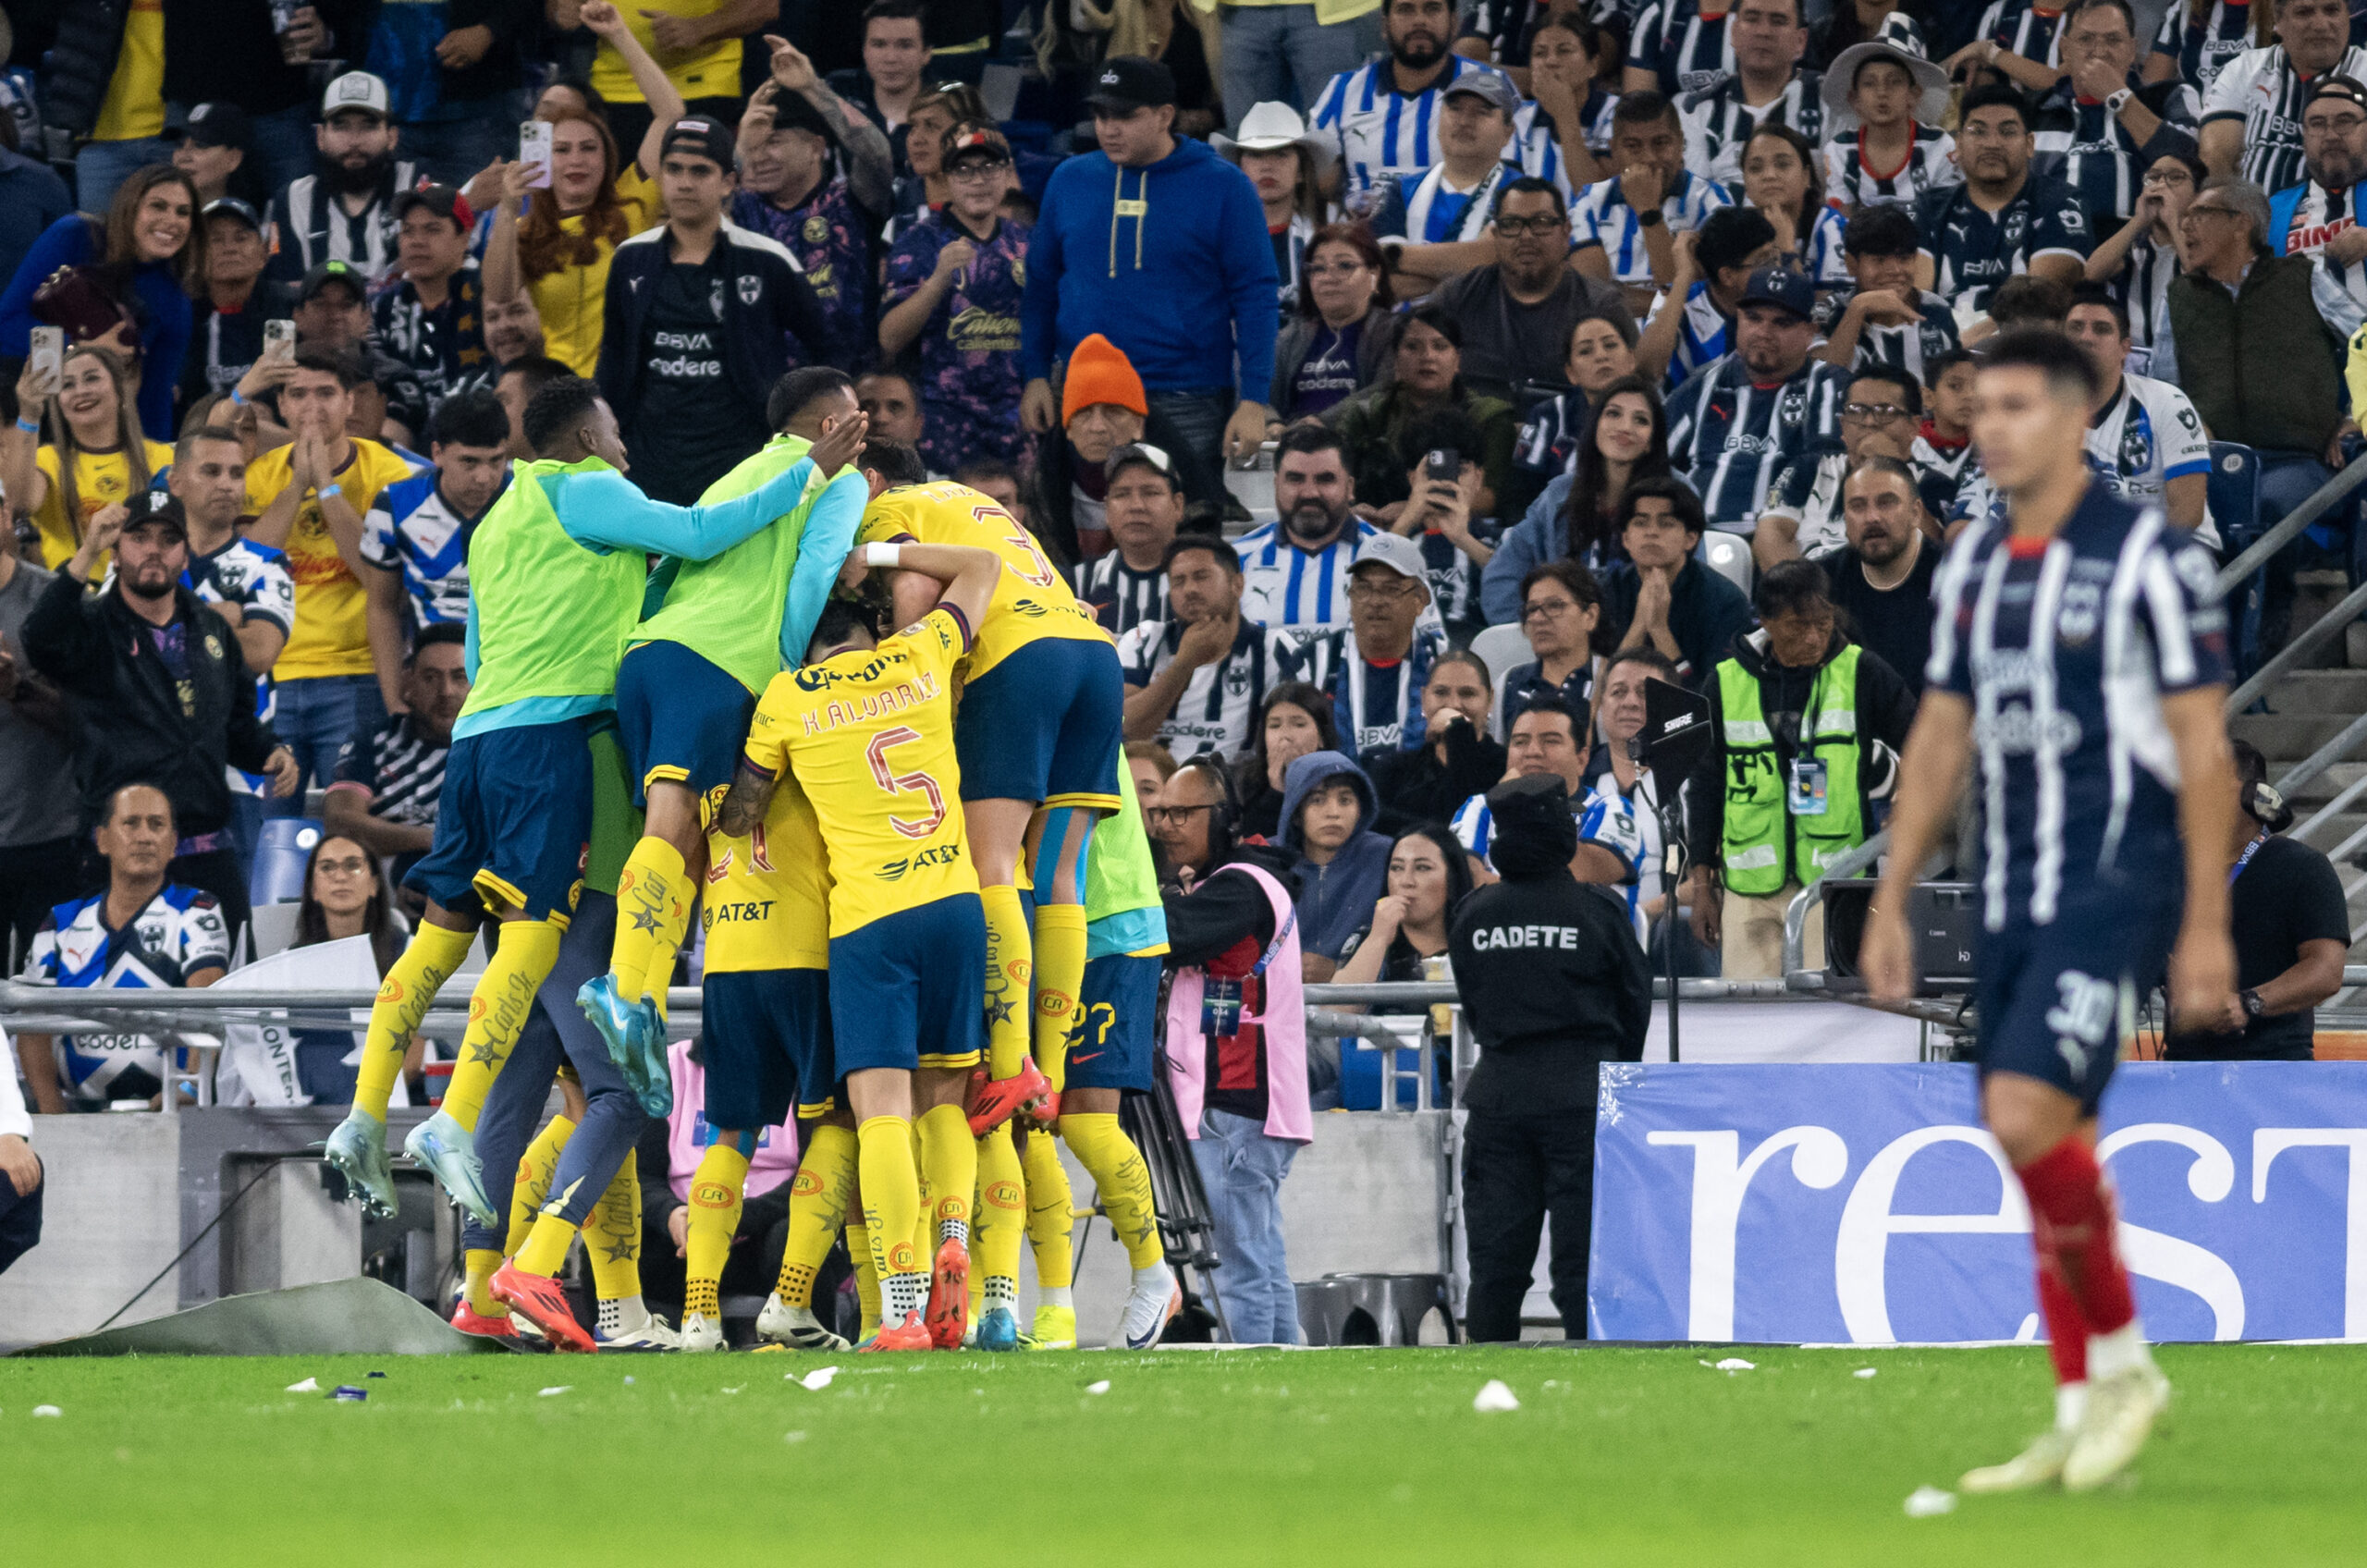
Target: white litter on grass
point(309, 1386)
point(1495, 1396)
point(627, 1382)
point(1737, 1364)
point(47, 1410)
point(1864, 1372)
point(562, 1388)
point(793, 1437)
point(814, 1381)
point(1930, 1503)
point(1100, 1388)
point(735, 1391)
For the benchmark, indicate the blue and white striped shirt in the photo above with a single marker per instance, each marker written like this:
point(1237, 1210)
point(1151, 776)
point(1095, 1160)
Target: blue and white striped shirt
point(1284, 586)
point(2201, 50)
point(1537, 142)
point(1381, 132)
point(1700, 336)
point(177, 934)
point(1728, 435)
point(1688, 51)
point(1600, 216)
point(1718, 123)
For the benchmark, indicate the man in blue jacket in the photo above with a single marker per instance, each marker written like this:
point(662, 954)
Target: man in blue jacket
point(1148, 241)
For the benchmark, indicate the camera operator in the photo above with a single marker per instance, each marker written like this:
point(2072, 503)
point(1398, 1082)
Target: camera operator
point(1553, 984)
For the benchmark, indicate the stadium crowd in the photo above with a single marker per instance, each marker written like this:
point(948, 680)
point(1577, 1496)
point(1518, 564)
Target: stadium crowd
point(1586, 344)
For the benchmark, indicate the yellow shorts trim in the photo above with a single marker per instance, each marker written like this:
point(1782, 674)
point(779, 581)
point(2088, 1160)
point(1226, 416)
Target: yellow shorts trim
point(1106, 804)
point(811, 1112)
point(950, 1062)
point(665, 773)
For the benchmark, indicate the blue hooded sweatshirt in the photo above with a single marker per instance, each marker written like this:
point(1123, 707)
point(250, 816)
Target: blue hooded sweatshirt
point(1154, 259)
point(1334, 900)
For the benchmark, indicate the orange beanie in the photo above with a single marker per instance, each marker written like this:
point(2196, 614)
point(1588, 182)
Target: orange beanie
point(1100, 372)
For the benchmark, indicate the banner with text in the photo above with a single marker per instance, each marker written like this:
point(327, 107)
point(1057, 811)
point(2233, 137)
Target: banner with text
point(1864, 1204)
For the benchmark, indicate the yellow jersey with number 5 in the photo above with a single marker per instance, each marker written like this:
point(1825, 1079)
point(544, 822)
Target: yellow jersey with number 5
point(1031, 599)
point(869, 735)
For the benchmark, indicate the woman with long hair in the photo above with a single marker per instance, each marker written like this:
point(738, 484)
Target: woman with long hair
point(1342, 335)
point(1779, 177)
point(149, 256)
point(555, 244)
point(86, 452)
point(1294, 719)
point(1429, 877)
point(344, 895)
point(1601, 350)
point(1428, 365)
point(1577, 518)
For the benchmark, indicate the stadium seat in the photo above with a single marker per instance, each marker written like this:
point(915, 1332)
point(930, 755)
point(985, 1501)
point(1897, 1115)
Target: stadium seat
point(278, 873)
point(1502, 649)
point(2232, 498)
point(1728, 554)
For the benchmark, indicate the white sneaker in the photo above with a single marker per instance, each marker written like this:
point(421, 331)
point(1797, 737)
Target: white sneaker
point(2040, 1465)
point(1154, 1299)
point(652, 1335)
point(2121, 1410)
point(698, 1332)
point(795, 1326)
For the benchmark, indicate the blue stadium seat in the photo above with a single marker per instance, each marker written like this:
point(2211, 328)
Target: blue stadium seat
point(277, 876)
point(2232, 492)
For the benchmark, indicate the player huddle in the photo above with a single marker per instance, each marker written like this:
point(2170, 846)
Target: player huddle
point(865, 820)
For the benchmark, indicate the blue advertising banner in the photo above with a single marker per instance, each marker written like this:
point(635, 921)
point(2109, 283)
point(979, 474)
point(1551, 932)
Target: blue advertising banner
point(1863, 1204)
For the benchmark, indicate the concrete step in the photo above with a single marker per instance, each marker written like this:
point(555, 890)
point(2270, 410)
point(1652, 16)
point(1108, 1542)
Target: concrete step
point(2286, 737)
point(2340, 691)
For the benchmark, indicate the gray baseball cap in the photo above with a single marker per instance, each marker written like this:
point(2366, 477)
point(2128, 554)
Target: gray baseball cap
point(1490, 85)
point(1394, 551)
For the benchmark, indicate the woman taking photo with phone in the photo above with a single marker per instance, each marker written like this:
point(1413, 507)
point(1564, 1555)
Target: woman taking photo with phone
point(76, 448)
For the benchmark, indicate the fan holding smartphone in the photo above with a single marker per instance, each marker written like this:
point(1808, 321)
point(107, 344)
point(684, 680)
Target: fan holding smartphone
point(76, 447)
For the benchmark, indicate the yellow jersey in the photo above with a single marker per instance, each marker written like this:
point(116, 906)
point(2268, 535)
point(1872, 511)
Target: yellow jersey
point(869, 734)
point(1031, 598)
point(767, 899)
point(574, 302)
point(100, 479)
point(332, 635)
point(710, 70)
point(134, 106)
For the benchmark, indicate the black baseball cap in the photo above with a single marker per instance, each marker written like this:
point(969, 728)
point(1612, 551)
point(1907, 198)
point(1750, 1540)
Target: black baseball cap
point(442, 200)
point(325, 273)
point(791, 111)
point(1127, 82)
point(1784, 287)
point(1142, 454)
point(156, 508)
point(233, 207)
point(706, 138)
point(2343, 87)
point(974, 142)
point(215, 124)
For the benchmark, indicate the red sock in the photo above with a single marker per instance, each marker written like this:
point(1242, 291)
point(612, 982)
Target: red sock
point(2067, 1197)
point(2067, 1326)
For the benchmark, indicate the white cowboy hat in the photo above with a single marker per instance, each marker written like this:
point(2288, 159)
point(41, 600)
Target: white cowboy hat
point(1898, 40)
point(1269, 127)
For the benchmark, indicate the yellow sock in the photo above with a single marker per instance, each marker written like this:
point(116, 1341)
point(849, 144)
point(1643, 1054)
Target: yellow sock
point(547, 1245)
point(1009, 966)
point(612, 1234)
point(404, 997)
point(497, 1011)
point(1050, 1211)
point(866, 1277)
point(652, 911)
point(949, 1165)
point(716, 1190)
point(1060, 976)
point(482, 1262)
point(817, 1206)
point(535, 1169)
point(1103, 1148)
point(891, 1201)
point(1002, 1210)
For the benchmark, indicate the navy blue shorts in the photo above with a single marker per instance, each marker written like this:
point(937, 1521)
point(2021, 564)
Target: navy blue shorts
point(514, 821)
point(910, 990)
point(765, 1035)
point(1121, 999)
point(1044, 724)
point(680, 720)
point(2055, 1001)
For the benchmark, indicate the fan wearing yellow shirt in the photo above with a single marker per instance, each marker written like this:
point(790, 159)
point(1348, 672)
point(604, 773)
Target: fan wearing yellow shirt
point(309, 497)
point(695, 42)
point(95, 454)
point(1042, 721)
point(867, 726)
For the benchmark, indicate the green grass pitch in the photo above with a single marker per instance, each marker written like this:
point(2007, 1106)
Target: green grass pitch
point(1353, 1456)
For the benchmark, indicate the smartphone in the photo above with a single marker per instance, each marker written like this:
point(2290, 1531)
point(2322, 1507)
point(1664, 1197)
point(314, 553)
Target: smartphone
point(48, 358)
point(279, 340)
point(1442, 466)
point(534, 152)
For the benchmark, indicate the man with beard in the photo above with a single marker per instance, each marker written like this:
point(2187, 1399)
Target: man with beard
point(2260, 99)
point(2320, 216)
point(1386, 114)
point(1882, 579)
point(2002, 219)
point(1295, 570)
point(1195, 681)
point(1742, 418)
point(344, 211)
point(1803, 514)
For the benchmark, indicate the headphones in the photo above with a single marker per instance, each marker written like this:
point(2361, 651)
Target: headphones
point(1224, 816)
point(2265, 806)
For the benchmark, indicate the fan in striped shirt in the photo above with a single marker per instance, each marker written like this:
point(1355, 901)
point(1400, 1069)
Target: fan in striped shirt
point(2320, 216)
point(2252, 120)
point(1194, 681)
point(388, 783)
point(1678, 46)
point(1712, 270)
point(2098, 130)
point(1887, 320)
point(1613, 238)
point(2197, 39)
point(1144, 508)
point(1767, 38)
point(1385, 115)
point(1562, 135)
point(2018, 41)
point(1744, 416)
point(1885, 101)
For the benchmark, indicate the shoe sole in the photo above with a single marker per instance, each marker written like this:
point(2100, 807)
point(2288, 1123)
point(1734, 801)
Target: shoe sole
point(948, 1296)
point(561, 1329)
point(358, 1185)
point(466, 1187)
point(644, 1067)
point(1024, 1087)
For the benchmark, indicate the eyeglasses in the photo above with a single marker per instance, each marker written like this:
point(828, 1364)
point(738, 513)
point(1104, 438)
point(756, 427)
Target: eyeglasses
point(2341, 125)
point(342, 867)
point(2169, 173)
point(1515, 227)
point(1370, 592)
point(1874, 413)
point(1335, 269)
point(1544, 609)
point(1173, 816)
point(2200, 210)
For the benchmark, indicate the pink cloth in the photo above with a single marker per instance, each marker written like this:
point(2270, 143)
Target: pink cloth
point(687, 1135)
point(1284, 1020)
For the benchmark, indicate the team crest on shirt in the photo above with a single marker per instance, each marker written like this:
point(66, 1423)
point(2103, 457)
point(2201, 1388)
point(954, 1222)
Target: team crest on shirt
point(2082, 603)
point(816, 229)
point(2011, 230)
point(1793, 406)
point(1237, 681)
point(1019, 271)
point(212, 646)
point(752, 287)
point(2135, 444)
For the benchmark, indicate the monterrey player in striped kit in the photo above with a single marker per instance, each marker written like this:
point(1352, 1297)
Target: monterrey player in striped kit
point(2077, 649)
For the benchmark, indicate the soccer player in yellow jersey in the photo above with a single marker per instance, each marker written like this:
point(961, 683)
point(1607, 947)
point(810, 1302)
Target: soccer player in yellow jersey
point(1041, 720)
point(866, 727)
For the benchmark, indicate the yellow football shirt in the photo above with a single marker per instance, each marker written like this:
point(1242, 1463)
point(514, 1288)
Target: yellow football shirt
point(134, 106)
point(869, 735)
point(767, 899)
point(710, 70)
point(332, 635)
point(574, 302)
point(100, 479)
point(1031, 599)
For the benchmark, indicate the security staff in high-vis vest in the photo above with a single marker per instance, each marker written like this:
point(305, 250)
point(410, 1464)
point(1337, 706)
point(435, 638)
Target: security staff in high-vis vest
point(1809, 726)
